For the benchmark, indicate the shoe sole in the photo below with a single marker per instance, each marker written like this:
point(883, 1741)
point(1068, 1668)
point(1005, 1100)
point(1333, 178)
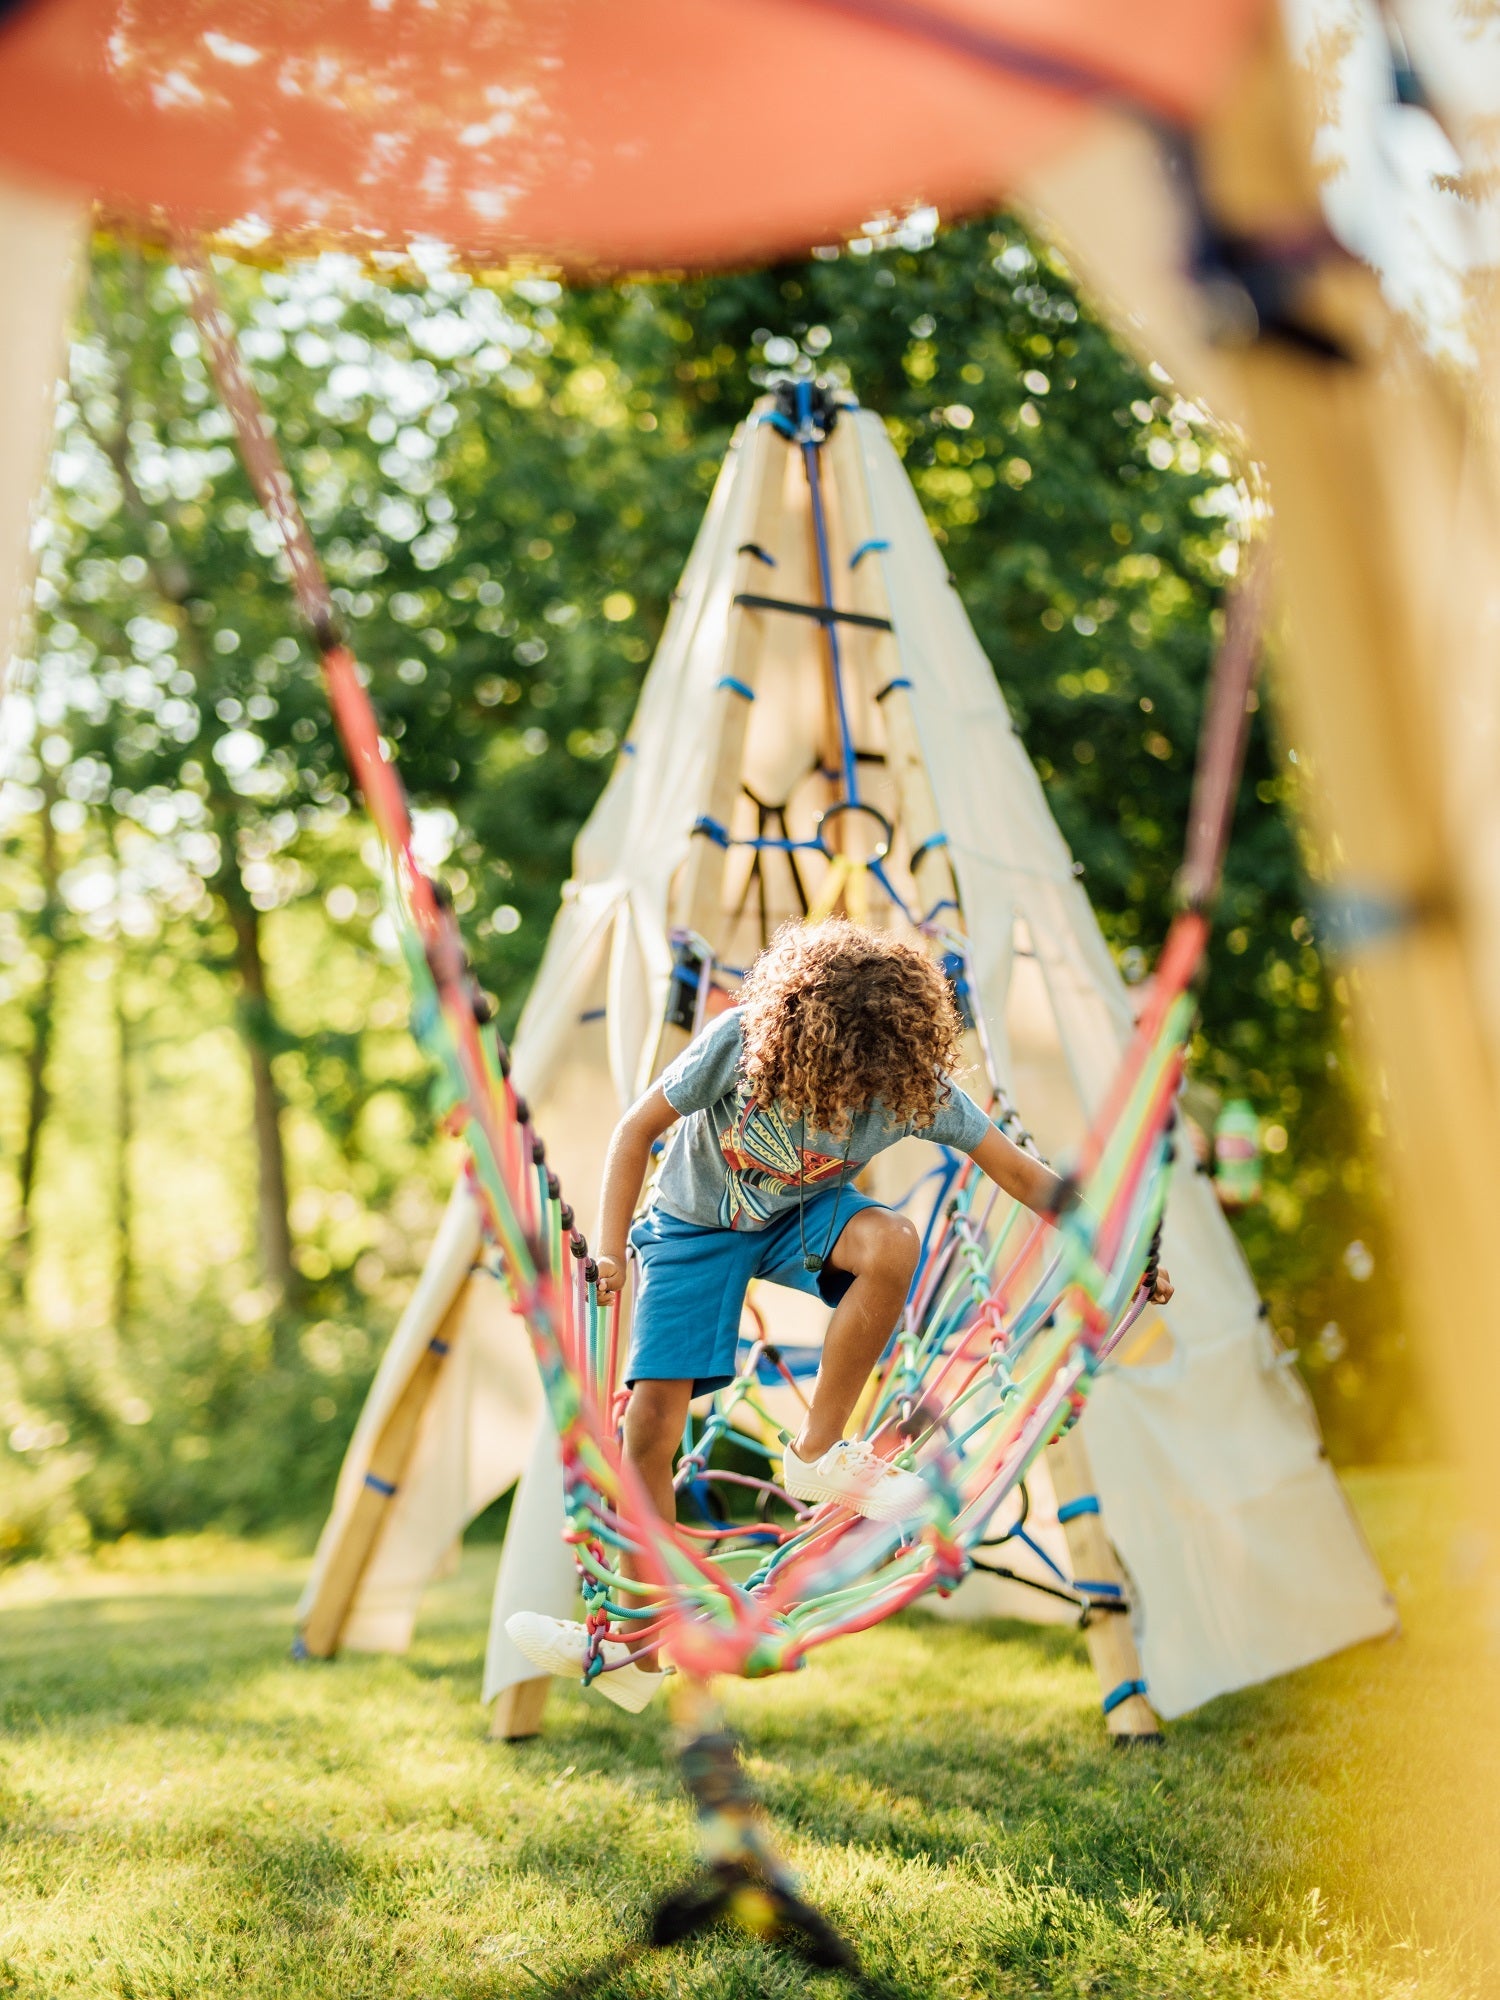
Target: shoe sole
point(629, 1688)
point(550, 1660)
point(852, 1503)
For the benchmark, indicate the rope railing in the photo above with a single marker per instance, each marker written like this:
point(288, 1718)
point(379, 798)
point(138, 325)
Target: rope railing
point(975, 1386)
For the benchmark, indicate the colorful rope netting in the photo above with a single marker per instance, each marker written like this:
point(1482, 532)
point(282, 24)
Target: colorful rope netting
point(1009, 1320)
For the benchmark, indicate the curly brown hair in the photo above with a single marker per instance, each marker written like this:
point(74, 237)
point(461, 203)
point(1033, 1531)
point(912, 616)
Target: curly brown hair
point(836, 1018)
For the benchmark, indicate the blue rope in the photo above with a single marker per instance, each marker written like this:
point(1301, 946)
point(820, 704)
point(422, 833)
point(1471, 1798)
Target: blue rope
point(1020, 1535)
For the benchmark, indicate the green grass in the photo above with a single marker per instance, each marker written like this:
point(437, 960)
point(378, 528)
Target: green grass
point(184, 1812)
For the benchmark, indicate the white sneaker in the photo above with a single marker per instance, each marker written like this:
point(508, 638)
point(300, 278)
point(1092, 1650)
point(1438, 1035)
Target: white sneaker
point(560, 1646)
point(852, 1474)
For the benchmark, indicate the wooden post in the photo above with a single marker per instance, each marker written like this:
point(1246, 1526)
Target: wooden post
point(322, 1630)
point(699, 902)
point(1128, 1714)
point(519, 1709)
point(920, 816)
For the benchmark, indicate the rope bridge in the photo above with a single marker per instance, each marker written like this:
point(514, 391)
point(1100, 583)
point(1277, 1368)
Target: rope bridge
point(1009, 1320)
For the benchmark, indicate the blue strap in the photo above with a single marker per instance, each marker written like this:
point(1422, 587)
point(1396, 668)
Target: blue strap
point(734, 686)
point(1088, 1587)
point(1088, 1503)
point(864, 549)
point(1121, 1693)
point(438, 1347)
point(717, 834)
point(384, 1487)
point(891, 686)
point(1349, 918)
point(592, 1014)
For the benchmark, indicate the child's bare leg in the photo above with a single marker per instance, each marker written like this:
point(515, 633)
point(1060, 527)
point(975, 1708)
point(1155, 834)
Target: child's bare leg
point(881, 1250)
point(654, 1418)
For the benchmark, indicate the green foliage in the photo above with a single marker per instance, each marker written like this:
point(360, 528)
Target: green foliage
point(186, 1812)
point(505, 479)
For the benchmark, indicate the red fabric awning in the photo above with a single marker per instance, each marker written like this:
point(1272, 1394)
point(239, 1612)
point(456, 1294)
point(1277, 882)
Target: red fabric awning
point(586, 132)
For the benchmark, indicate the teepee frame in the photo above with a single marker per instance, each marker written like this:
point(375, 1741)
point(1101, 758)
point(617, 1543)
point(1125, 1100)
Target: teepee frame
point(716, 825)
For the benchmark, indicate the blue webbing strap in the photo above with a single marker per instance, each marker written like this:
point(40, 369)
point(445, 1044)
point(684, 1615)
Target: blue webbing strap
point(716, 833)
point(384, 1487)
point(1087, 1503)
point(1121, 1693)
point(734, 686)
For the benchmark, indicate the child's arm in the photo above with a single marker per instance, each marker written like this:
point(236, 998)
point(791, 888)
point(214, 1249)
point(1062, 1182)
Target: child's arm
point(625, 1167)
point(1035, 1186)
point(1027, 1180)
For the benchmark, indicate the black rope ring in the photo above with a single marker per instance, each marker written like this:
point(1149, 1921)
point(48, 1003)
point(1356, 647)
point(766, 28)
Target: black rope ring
point(839, 806)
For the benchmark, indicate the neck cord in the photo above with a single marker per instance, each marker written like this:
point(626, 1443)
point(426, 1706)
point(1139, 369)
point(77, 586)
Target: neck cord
point(811, 1262)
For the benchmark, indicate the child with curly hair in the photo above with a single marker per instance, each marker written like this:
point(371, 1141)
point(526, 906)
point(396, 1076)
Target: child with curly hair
point(843, 1043)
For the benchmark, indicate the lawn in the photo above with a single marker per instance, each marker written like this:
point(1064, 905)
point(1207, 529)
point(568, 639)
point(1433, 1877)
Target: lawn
point(185, 1812)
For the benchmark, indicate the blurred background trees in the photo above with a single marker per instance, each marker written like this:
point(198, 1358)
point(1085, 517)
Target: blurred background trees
point(218, 1170)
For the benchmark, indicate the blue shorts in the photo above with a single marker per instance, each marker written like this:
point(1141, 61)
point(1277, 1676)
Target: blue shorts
point(691, 1282)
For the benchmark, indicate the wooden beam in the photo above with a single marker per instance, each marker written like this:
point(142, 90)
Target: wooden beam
point(1383, 481)
point(518, 1710)
point(884, 670)
point(1128, 1714)
point(699, 903)
point(322, 1630)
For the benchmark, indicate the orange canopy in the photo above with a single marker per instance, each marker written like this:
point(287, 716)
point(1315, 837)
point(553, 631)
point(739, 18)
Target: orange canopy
point(587, 132)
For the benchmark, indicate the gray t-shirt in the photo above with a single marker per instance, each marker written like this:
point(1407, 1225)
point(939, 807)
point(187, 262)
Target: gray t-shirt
point(734, 1164)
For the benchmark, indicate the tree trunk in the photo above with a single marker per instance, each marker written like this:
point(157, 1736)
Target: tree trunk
point(124, 1113)
point(42, 1013)
point(257, 1023)
point(253, 1014)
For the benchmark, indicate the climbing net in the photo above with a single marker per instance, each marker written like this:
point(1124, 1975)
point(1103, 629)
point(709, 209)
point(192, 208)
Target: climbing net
point(1009, 1321)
